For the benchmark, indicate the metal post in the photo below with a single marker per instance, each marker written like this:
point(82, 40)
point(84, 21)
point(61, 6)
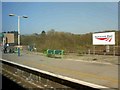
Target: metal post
point(94, 50)
point(3, 41)
point(18, 30)
point(18, 35)
point(108, 48)
point(88, 51)
point(18, 51)
point(114, 50)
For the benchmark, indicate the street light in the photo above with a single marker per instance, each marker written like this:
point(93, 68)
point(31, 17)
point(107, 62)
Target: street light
point(11, 14)
point(18, 25)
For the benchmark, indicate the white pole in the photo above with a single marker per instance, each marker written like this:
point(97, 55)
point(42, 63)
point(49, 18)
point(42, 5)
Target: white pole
point(3, 41)
point(19, 30)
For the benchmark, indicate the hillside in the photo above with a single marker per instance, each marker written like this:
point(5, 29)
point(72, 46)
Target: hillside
point(69, 42)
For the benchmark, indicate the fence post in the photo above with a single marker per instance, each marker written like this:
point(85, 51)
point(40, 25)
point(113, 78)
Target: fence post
point(94, 50)
point(114, 50)
point(88, 51)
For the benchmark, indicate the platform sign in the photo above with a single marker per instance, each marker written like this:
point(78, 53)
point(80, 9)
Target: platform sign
point(107, 38)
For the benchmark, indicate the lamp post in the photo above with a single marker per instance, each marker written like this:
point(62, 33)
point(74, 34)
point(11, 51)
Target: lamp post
point(18, 29)
point(18, 25)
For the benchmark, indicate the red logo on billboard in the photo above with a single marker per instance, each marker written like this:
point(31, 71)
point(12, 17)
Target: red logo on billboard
point(105, 38)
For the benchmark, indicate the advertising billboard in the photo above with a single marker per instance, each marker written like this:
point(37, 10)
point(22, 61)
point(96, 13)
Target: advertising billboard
point(9, 37)
point(106, 38)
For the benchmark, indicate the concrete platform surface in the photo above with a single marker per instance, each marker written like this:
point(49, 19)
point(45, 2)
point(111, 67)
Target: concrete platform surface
point(92, 72)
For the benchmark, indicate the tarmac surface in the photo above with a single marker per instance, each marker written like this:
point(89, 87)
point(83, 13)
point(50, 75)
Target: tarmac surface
point(100, 73)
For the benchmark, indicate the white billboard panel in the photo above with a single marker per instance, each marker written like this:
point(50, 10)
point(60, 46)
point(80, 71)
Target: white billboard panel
point(107, 38)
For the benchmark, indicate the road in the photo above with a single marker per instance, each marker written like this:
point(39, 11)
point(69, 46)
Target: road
point(92, 72)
